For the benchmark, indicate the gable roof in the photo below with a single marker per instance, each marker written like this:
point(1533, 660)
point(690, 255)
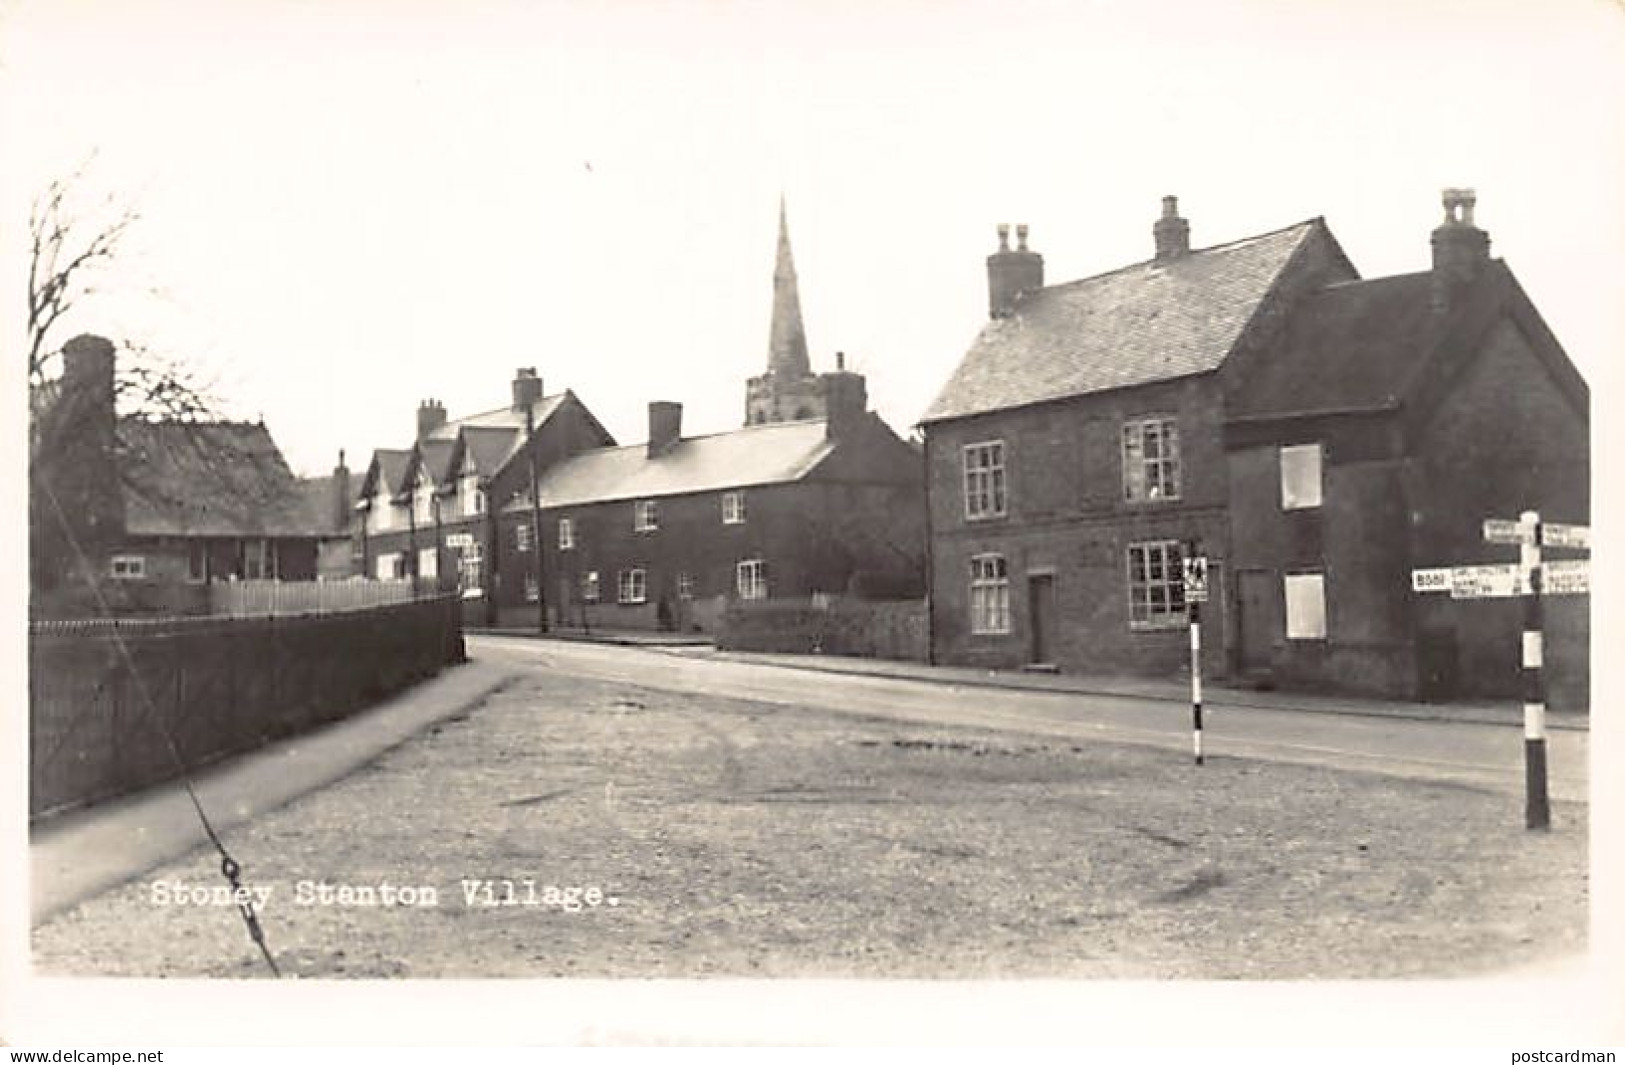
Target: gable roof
point(433, 456)
point(1379, 344)
point(316, 501)
point(490, 446)
point(1152, 321)
point(771, 453)
point(209, 479)
point(389, 465)
point(502, 417)
point(1352, 346)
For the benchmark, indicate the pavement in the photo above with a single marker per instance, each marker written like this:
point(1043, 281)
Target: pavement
point(79, 854)
point(1160, 690)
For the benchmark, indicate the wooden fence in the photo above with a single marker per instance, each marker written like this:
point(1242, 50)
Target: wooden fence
point(108, 697)
point(282, 598)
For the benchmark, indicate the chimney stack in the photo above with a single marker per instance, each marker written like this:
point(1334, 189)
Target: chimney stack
point(527, 388)
point(665, 426)
point(341, 495)
point(1012, 274)
point(1171, 233)
point(846, 400)
point(1460, 248)
point(431, 416)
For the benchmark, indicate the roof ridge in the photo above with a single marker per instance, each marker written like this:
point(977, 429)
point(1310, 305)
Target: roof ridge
point(1191, 254)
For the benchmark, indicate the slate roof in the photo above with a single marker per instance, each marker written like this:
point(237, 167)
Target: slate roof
point(436, 455)
point(491, 445)
point(1147, 322)
point(209, 479)
point(1352, 346)
point(759, 454)
point(502, 417)
point(391, 464)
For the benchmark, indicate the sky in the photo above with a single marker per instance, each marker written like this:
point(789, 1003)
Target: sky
point(350, 207)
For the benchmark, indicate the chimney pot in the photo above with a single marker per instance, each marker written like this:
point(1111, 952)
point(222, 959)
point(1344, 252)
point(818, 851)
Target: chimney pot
point(527, 388)
point(1171, 233)
point(1012, 274)
point(1460, 248)
point(431, 416)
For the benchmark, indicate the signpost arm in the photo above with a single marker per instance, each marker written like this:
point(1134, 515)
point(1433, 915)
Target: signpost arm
point(1537, 810)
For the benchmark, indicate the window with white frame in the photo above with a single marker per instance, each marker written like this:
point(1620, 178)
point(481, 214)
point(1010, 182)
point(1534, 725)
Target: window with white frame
point(685, 586)
point(521, 536)
point(1156, 585)
point(532, 589)
point(589, 586)
point(423, 501)
point(1305, 606)
point(379, 512)
point(989, 595)
point(1150, 460)
point(634, 586)
point(645, 515)
point(429, 563)
point(733, 508)
point(984, 480)
point(473, 500)
point(389, 566)
point(1300, 476)
point(750, 578)
point(567, 534)
point(129, 567)
point(471, 567)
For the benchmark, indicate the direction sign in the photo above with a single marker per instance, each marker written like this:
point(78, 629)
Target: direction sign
point(1502, 531)
point(1488, 582)
point(1431, 580)
point(1555, 535)
point(1196, 579)
point(1566, 577)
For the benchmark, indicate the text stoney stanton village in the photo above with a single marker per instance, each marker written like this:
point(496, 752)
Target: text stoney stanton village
point(475, 894)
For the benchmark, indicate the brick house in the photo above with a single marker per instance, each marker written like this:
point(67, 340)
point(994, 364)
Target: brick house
point(664, 535)
point(429, 512)
point(814, 497)
point(1316, 434)
point(164, 507)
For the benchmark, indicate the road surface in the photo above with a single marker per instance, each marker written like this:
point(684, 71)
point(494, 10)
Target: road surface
point(1478, 754)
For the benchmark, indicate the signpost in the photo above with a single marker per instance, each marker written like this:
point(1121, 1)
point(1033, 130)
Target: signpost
point(1195, 566)
point(1532, 580)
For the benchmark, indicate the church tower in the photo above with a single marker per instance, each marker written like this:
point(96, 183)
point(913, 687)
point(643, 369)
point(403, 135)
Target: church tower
point(789, 390)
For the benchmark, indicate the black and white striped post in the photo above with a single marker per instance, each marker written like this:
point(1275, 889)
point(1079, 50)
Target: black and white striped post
point(1196, 679)
point(1195, 574)
point(1537, 808)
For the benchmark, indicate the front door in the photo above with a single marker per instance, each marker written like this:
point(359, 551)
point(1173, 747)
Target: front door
point(1041, 618)
point(1258, 603)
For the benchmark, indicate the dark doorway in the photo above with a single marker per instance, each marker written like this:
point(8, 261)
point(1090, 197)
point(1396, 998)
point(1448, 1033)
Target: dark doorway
point(1041, 618)
point(1259, 604)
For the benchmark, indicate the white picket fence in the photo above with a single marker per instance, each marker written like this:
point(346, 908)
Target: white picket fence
point(262, 598)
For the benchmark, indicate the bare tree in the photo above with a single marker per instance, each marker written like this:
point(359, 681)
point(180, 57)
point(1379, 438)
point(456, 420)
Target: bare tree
point(71, 248)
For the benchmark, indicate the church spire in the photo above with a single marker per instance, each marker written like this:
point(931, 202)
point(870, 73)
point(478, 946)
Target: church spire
point(787, 344)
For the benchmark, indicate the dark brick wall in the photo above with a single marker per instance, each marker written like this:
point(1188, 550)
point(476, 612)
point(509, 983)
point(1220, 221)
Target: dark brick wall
point(815, 536)
point(1356, 538)
point(1504, 440)
point(1066, 515)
